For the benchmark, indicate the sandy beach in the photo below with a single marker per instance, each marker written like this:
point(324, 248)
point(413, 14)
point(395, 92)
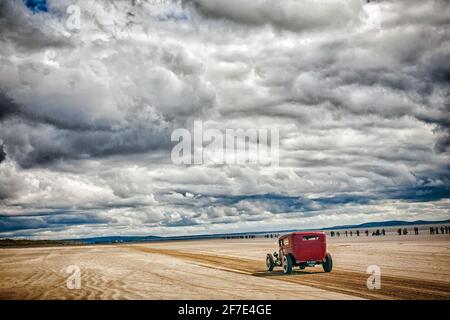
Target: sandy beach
point(412, 267)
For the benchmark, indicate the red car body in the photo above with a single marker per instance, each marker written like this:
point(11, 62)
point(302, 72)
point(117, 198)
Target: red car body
point(301, 249)
point(304, 247)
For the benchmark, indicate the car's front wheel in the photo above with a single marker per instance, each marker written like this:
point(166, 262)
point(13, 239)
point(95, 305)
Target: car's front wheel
point(328, 263)
point(287, 264)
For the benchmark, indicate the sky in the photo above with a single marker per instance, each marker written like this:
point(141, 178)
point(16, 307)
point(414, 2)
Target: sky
point(359, 92)
point(36, 5)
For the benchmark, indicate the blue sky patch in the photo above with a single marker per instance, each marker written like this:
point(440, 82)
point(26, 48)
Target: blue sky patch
point(37, 5)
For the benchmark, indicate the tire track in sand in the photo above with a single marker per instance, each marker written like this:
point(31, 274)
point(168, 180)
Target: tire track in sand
point(342, 281)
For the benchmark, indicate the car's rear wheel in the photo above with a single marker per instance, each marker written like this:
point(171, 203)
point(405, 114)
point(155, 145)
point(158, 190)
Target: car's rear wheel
point(269, 262)
point(287, 264)
point(328, 263)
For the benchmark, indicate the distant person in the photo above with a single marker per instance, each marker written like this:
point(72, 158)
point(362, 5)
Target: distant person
point(442, 230)
point(332, 233)
point(436, 230)
point(346, 233)
point(431, 230)
point(446, 229)
point(399, 231)
point(367, 233)
point(338, 234)
point(405, 231)
point(351, 233)
point(416, 230)
point(383, 232)
point(357, 233)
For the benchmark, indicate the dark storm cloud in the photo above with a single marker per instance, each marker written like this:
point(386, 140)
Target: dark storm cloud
point(8, 224)
point(442, 123)
point(48, 143)
point(288, 15)
point(51, 139)
point(443, 143)
point(16, 224)
point(285, 204)
point(276, 202)
point(422, 193)
point(183, 222)
point(2, 155)
point(7, 107)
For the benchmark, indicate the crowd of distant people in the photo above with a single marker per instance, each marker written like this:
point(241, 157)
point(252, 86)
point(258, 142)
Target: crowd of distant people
point(350, 233)
point(250, 236)
point(241, 236)
point(357, 233)
point(444, 230)
point(400, 232)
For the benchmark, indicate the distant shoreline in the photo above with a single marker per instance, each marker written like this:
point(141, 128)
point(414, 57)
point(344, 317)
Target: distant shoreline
point(28, 243)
